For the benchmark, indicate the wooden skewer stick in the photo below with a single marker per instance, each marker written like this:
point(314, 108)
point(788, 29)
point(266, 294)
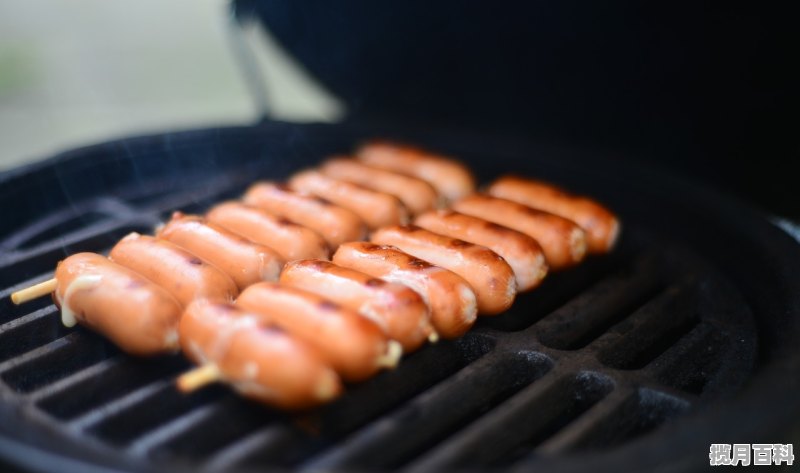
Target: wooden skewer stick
point(391, 358)
point(197, 378)
point(34, 292)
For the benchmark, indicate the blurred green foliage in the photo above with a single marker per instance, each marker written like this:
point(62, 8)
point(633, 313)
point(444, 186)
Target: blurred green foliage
point(17, 70)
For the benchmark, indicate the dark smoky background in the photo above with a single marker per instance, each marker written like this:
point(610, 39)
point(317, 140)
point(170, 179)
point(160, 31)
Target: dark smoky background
point(707, 88)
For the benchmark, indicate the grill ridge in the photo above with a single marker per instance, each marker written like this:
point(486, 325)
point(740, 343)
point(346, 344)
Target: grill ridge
point(102, 383)
point(467, 394)
point(29, 331)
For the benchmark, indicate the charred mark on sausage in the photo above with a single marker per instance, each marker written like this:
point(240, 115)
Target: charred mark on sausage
point(456, 243)
point(328, 306)
point(321, 200)
point(418, 263)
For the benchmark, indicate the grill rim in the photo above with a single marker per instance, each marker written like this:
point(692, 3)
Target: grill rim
point(780, 250)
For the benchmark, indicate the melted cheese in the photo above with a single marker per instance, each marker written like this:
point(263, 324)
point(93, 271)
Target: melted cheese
point(86, 281)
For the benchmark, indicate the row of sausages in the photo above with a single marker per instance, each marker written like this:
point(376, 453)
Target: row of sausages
point(289, 342)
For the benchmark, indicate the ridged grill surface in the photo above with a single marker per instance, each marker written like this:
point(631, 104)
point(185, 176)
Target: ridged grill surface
point(595, 357)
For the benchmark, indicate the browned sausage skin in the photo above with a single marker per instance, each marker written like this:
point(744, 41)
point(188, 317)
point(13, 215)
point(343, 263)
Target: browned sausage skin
point(416, 194)
point(290, 240)
point(376, 209)
point(602, 227)
point(395, 307)
point(450, 178)
point(451, 300)
point(336, 224)
point(354, 345)
point(488, 273)
point(562, 240)
point(181, 273)
point(260, 361)
point(137, 315)
point(244, 261)
point(520, 251)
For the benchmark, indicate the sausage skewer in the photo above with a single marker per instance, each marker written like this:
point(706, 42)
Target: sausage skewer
point(563, 241)
point(244, 261)
point(136, 296)
point(225, 339)
point(151, 312)
point(450, 178)
point(354, 345)
point(450, 298)
point(601, 226)
point(399, 310)
point(416, 194)
point(290, 240)
point(520, 251)
point(487, 272)
point(336, 224)
point(376, 209)
point(180, 272)
point(258, 360)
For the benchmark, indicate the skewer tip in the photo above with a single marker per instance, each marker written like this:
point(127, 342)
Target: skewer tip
point(34, 292)
point(327, 388)
point(390, 359)
point(197, 378)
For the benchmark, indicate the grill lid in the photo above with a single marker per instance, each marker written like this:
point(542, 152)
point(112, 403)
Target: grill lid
point(710, 90)
point(626, 361)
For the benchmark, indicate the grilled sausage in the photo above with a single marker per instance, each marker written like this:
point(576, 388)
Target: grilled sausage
point(355, 346)
point(416, 194)
point(290, 240)
point(181, 273)
point(260, 361)
point(450, 178)
point(376, 209)
point(450, 298)
point(601, 226)
point(336, 224)
point(520, 251)
point(244, 261)
point(395, 307)
point(563, 241)
point(137, 315)
point(488, 273)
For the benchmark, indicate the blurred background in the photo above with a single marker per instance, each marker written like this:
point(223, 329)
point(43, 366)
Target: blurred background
point(706, 88)
point(76, 73)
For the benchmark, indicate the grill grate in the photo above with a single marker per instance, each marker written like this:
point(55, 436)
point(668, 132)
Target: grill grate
point(596, 357)
point(572, 365)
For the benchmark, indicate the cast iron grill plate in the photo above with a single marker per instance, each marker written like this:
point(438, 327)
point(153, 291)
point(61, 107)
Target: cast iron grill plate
point(597, 359)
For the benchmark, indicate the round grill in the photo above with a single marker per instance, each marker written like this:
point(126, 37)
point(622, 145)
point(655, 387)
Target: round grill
point(612, 364)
